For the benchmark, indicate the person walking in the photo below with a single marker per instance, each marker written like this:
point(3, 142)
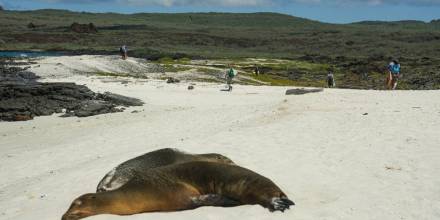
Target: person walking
point(393, 74)
point(124, 52)
point(257, 70)
point(230, 74)
point(330, 80)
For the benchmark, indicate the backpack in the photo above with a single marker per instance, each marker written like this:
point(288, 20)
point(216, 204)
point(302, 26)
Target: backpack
point(232, 73)
point(395, 68)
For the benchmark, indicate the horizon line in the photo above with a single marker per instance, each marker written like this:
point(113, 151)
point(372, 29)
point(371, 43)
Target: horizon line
point(219, 12)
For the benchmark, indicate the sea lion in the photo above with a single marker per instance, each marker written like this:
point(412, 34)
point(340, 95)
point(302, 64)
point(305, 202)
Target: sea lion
point(181, 187)
point(125, 171)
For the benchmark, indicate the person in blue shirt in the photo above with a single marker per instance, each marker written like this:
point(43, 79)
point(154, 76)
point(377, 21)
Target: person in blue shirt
point(394, 74)
point(124, 52)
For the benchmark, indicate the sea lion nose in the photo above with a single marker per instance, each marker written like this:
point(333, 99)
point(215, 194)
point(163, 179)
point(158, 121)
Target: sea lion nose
point(64, 217)
point(69, 217)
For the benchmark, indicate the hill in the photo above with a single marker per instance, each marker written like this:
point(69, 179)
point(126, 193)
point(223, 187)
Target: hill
point(356, 48)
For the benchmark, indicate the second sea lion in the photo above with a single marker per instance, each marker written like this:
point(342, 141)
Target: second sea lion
point(125, 171)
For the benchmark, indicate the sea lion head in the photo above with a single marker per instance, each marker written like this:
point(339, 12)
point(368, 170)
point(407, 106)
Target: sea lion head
point(217, 158)
point(82, 207)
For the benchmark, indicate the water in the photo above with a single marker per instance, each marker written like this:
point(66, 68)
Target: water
point(30, 53)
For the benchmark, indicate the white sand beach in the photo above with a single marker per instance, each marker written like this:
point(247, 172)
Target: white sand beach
point(338, 154)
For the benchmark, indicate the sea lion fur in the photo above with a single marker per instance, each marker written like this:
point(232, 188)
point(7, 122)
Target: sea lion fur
point(121, 174)
point(181, 187)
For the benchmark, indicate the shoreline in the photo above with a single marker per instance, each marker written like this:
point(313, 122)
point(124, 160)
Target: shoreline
point(187, 70)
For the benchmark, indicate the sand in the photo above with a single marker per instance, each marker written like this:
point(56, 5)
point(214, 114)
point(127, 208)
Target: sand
point(66, 66)
point(339, 154)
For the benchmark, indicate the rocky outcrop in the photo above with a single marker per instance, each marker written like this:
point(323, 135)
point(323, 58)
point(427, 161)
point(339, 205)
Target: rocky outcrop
point(302, 91)
point(84, 28)
point(172, 80)
point(23, 98)
point(120, 99)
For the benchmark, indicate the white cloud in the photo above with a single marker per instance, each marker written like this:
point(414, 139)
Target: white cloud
point(373, 2)
point(244, 3)
point(171, 3)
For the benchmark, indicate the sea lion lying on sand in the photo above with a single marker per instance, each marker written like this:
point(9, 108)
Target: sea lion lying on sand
point(181, 187)
point(167, 156)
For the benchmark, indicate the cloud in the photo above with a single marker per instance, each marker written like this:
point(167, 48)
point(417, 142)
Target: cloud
point(245, 3)
point(171, 3)
point(224, 3)
point(371, 2)
point(9, 5)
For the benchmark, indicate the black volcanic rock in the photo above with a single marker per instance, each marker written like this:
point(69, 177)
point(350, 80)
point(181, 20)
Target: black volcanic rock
point(302, 91)
point(172, 80)
point(84, 28)
point(23, 98)
point(120, 99)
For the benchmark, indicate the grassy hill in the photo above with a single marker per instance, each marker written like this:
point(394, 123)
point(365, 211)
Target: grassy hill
point(351, 49)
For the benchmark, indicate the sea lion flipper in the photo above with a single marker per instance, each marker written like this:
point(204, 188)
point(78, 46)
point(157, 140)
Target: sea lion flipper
point(214, 200)
point(280, 204)
point(114, 179)
point(105, 180)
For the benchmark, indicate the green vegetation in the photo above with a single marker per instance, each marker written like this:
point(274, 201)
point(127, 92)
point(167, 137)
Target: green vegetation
point(308, 47)
point(174, 68)
point(275, 81)
point(209, 71)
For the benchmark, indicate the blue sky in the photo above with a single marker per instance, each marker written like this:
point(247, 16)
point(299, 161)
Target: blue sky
point(334, 11)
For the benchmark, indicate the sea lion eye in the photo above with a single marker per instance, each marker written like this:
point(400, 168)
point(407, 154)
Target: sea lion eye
point(77, 202)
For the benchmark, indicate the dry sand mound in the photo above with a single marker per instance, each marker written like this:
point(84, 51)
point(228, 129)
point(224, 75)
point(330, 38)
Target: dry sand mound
point(62, 66)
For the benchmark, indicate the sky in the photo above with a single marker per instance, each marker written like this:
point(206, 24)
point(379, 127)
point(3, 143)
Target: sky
point(332, 11)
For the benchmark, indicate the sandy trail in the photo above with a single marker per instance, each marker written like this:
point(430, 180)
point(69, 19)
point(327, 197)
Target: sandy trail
point(332, 159)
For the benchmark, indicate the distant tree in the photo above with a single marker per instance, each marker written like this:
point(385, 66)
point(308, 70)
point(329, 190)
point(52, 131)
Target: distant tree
point(31, 26)
point(83, 28)
point(435, 21)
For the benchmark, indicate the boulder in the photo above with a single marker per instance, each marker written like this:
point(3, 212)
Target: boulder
point(22, 97)
point(172, 80)
point(120, 99)
point(302, 91)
